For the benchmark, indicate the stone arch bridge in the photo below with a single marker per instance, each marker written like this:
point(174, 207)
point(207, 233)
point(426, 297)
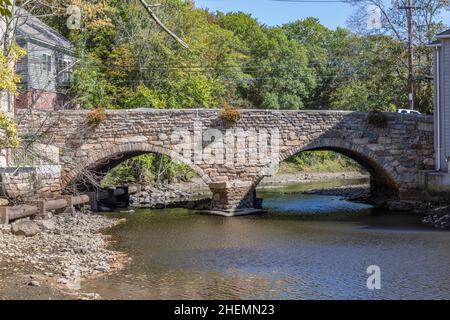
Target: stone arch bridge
point(233, 158)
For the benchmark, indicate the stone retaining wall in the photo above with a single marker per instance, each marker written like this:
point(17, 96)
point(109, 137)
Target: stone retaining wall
point(28, 182)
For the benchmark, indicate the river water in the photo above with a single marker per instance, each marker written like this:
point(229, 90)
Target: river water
point(305, 247)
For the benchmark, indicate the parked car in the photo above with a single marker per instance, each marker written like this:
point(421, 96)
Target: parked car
point(408, 111)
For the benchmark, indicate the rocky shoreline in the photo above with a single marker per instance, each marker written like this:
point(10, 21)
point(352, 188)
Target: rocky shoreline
point(161, 196)
point(359, 192)
point(436, 215)
point(57, 253)
point(285, 179)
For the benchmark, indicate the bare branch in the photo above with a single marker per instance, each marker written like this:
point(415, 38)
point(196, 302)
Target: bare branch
point(154, 17)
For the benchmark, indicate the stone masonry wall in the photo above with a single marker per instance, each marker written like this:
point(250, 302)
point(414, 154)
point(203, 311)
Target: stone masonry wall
point(24, 183)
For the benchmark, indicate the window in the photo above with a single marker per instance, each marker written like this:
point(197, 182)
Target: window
point(65, 70)
point(46, 62)
point(49, 63)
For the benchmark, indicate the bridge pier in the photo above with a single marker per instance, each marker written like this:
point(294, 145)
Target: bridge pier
point(234, 199)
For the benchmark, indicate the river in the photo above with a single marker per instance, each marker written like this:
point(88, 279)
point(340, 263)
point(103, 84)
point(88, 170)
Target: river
point(304, 247)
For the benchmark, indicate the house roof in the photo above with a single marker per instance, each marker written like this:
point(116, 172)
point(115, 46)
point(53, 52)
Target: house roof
point(445, 34)
point(31, 27)
point(435, 43)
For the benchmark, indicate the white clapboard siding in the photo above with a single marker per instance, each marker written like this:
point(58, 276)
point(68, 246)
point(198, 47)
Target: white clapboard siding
point(445, 91)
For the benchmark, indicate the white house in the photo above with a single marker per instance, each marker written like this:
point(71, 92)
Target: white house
point(442, 100)
point(45, 71)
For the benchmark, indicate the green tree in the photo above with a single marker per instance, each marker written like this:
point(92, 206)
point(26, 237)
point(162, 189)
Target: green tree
point(322, 45)
point(8, 83)
point(4, 9)
point(364, 86)
point(280, 77)
point(90, 88)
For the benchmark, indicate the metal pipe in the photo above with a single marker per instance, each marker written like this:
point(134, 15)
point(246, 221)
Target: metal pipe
point(56, 204)
point(22, 211)
point(8, 214)
point(80, 199)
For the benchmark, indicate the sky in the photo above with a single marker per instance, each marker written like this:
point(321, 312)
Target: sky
point(272, 12)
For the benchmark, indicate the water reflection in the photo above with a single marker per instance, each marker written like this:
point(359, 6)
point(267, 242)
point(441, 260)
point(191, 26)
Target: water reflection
point(305, 247)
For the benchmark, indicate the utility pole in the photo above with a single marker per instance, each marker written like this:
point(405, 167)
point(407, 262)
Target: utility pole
point(410, 9)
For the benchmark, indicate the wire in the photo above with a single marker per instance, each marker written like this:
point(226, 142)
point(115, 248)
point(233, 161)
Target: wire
point(213, 67)
point(147, 81)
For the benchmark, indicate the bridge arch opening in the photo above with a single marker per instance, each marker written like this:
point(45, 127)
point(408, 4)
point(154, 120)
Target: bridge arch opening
point(382, 176)
point(87, 175)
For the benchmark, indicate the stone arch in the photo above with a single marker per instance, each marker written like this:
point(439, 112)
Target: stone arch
point(105, 159)
point(383, 175)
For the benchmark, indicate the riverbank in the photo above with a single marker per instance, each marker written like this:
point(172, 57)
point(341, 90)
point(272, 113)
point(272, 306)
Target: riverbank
point(357, 193)
point(286, 179)
point(65, 250)
point(436, 215)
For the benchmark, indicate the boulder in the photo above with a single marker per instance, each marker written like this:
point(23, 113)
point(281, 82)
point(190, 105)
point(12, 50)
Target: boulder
point(47, 225)
point(4, 202)
point(5, 229)
point(34, 283)
point(26, 228)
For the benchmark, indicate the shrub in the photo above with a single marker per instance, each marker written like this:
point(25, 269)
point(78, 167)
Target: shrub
point(9, 134)
point(147, 169)
point(95, 117)
point(230, 115)
point(377, 119)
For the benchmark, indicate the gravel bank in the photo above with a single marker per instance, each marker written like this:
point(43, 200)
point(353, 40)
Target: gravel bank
point(67, 249)
point(304, 177)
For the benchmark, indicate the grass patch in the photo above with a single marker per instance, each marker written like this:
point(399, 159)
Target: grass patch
point(319, 161)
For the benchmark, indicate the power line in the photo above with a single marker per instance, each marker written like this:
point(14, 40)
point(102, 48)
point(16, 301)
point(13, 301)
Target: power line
point(157, 80)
